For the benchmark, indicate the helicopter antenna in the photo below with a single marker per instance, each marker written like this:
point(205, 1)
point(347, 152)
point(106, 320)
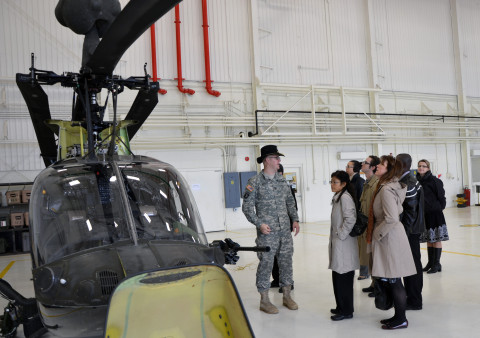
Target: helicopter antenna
point(111, 148)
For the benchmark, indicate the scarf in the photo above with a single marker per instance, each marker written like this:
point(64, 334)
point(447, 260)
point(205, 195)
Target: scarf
point(371, 217)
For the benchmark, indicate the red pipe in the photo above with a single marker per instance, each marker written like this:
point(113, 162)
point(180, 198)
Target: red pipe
point(208, 81)
point(179, 54)
point(154, 57)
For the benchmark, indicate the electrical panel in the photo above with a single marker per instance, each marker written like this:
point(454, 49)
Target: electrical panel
point(232, 189)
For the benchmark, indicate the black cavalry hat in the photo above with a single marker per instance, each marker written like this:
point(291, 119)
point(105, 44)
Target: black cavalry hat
point(268, 150)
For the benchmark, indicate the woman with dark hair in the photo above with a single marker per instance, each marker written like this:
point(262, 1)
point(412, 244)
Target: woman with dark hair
point(391, 255)
point(436, 227)
point(342, 248)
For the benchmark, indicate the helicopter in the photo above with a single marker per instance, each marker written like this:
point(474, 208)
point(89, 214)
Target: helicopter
point(101, 216)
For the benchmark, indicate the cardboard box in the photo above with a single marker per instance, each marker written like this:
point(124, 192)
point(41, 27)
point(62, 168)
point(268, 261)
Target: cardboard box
point(26, 219)
point(16, 219)
point(26, 196)
point(13, 197)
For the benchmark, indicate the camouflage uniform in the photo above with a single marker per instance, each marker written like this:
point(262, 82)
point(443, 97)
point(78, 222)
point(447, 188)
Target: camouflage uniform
point(270, 201)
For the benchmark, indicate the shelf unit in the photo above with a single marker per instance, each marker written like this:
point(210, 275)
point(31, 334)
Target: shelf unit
point(16, 238)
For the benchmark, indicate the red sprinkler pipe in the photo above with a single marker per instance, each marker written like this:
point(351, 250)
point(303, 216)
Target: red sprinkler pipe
point(179, 54)
point(208, 81)
point(154, 58)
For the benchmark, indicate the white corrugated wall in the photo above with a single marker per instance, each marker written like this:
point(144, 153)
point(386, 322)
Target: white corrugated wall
point(469, 26)
point(417, 43)
point(301, 42)
point(31, 27)
point(295, 42)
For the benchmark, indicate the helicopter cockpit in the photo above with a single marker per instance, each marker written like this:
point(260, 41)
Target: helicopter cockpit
point(78, 205)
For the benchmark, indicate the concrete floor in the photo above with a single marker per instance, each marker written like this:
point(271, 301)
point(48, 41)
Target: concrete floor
point(451, 298)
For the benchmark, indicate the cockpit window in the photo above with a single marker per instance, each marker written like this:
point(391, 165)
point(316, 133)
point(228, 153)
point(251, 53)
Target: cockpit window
point(79, 207)
point(161, 204)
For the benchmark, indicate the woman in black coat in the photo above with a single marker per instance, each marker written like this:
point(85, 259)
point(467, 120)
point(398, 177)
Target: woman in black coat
point(436, 228)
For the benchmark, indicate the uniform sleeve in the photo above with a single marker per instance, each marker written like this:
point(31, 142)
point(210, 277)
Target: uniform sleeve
point(349, 216)
point(391, 212)
point(248, 206)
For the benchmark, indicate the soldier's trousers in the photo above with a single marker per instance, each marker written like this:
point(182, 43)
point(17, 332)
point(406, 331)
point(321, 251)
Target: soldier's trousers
point(281, 245)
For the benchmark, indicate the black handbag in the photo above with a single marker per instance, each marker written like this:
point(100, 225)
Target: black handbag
point(360, 225)
point(383, 294)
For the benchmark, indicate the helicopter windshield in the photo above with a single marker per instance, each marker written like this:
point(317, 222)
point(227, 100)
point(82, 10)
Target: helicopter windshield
point(77, 206)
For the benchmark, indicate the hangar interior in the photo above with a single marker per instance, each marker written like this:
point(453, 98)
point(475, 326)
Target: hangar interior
point(326, 81)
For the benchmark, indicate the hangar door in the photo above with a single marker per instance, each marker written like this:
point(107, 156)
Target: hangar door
point(207, 188)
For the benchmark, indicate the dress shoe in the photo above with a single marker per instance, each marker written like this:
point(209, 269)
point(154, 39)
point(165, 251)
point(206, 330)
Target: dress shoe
point(412, 307)
point(274, 284)
point(371, 295)
point(338, 317)
point(369, 289)
point(389, 326)
point(386, 321)
point(335, 311)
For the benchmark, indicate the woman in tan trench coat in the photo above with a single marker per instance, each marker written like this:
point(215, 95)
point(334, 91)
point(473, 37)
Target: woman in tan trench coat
point(342, 248)
point(391, 254)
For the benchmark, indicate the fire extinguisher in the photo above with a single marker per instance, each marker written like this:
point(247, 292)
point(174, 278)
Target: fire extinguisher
point(466, 191)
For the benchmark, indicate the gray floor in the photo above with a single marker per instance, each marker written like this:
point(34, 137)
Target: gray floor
point(451, 297)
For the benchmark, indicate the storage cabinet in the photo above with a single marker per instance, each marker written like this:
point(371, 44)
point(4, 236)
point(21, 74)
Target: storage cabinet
point(15, 240)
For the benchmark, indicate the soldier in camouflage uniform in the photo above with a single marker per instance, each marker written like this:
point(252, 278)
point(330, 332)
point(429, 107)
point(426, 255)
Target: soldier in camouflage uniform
point(269, 204)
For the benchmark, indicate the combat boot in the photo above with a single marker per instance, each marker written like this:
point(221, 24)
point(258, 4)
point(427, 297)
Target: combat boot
point(265, 304)
point(287, 299)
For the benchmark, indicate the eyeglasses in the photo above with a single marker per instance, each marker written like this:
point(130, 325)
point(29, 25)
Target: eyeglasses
point(334, 182)
point(365, 162)
point(349, 166)
point(423, 166)
point(275, 157)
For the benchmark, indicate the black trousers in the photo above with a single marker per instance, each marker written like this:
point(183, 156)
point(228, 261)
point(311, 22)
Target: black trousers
point(343, 291)
point(414, 283)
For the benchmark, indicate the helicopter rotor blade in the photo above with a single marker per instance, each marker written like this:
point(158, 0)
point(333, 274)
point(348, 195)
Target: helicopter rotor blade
point(133, 21)
point(143, 105)
point(39, 109)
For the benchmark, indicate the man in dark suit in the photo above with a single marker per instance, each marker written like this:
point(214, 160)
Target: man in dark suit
point(353, 170)
point(413, 221)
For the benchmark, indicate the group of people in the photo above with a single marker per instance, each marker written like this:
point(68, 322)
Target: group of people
point(403, 211)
